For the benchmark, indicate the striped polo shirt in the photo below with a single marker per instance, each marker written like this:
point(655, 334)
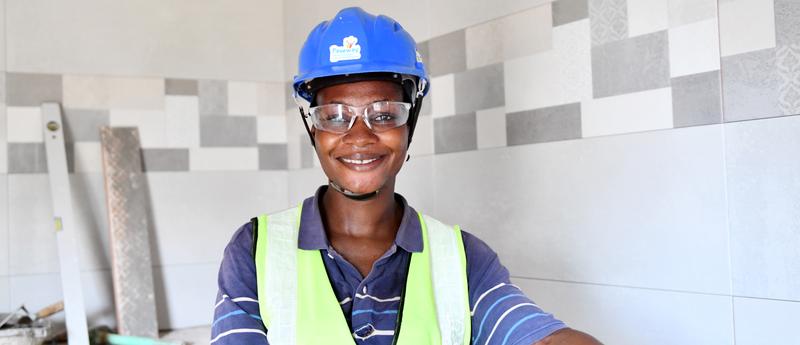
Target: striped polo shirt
point(501, 313)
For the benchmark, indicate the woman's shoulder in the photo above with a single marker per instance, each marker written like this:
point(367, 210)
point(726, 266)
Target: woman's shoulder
point(241, 242)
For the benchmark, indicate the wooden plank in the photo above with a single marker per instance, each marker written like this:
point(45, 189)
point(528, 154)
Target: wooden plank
point(61, 192)
point(127, 200)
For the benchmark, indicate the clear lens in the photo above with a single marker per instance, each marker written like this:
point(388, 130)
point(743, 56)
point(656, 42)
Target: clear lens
point(379, 116)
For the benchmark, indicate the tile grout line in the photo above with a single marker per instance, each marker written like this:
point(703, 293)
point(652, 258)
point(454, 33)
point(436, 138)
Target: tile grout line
point(623, 286)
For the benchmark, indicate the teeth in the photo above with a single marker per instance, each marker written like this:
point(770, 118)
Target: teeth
point(358, 161)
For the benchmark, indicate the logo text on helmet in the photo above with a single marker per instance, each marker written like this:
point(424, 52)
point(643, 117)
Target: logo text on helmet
point(349, 50)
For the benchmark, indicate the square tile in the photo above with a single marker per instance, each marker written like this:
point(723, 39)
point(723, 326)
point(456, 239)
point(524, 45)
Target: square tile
point(223, 159)
point(26, 158)
point(634, 112)
point(560, 76)
point(213, 97)
point(761, 321)
point(631, 65)
point(447, 54)
point(479, 88)
point(180, 87)
point(763, 186)
point(165, 160)
point(787, 62)
point(443, 91)
point(227, 131)
point(422, 141)
point(93, 92)
point(750, 86)
point(151, 124)
point(270, 99)
point(288, 93)
point(272, 157)
point(308, 155)
point(542, 125)
point(181, 292)
point(694, 48)
point(609, 20)
point(787, 22)
point(682, 12)
point(508, 37)
point(491, 127)
point(647, 16)
point(568, 11)
point(87, 157)
point(455, 133)
point(596, 195)
point(242, 98)
point(696, 100)
point(427, 105)
point(759, 34)
point(5, 294)
point(24, 125)
point(30, 90)
point(271, 129)
point(84, 124)
point(181, 121)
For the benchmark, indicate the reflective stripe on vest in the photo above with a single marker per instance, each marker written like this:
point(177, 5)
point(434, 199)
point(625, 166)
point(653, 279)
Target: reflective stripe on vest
point(293, 288)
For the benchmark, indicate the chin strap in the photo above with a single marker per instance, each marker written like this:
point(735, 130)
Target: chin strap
point(352, 195)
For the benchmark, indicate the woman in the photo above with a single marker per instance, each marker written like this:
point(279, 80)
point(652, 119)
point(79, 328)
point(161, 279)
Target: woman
point(355, 264)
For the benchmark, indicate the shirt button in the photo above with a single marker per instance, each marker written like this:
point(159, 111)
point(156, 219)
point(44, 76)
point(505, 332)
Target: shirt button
point(365, 331)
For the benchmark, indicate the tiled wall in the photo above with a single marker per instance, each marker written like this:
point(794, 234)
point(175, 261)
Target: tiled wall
point(632, 161)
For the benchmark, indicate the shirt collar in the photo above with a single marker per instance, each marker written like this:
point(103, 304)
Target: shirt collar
point(312, 234)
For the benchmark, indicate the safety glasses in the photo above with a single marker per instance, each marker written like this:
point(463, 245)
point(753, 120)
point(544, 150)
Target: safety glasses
point(379, 116)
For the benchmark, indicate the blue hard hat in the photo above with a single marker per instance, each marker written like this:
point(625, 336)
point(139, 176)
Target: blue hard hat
point(357, 43)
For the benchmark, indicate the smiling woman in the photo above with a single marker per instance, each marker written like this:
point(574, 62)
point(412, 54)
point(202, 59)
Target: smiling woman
point(355, 263)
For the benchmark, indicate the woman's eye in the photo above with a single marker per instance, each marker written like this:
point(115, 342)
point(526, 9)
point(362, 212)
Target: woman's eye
point(384, 117)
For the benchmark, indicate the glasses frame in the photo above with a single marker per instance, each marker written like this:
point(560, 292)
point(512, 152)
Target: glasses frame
point(359, 111)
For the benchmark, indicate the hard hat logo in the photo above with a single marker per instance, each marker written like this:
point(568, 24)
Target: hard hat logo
point(349, 50)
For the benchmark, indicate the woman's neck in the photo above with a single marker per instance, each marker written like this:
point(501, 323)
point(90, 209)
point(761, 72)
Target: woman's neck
point(376, 217)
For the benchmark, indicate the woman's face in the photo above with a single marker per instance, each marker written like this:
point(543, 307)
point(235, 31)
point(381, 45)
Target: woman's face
point(361, 161)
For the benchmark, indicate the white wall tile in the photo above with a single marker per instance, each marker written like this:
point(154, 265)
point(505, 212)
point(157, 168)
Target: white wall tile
point(422, 142)
point(513, 36)
point(451, 15)
point(296, 137)
point(223, 159)
point(88, 157)
point(633, 112)
point(272, 99)
point(95, 92)
point(5, 295)
point(646, 16)
point(40, 290)
point(32, 242)
point(683, 12)
point(303, 183)
point(627, 316)
point(491, 124)
point(204, 39)
point(243, 98)
point(760, 321)
point(560, 76)
point(3, 140)
point(272, 129)
point(151, 124)
point(694, 48)
point(24, 125)
point(4, 244)
point(181, 121)
point(443, 96)
point(415, 183)
point(220, 202)
point(759, 33)
point(640, 210)
point(763, 189)
point(185, 295)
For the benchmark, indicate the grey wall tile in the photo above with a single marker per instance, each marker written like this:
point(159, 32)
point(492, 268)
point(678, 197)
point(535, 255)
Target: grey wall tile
point(447, 54)
point(787, 61)
point(541, 125)
point(479, 88)
point(185, 87)
point(455, 133)
point(84, 124)
point(165, 159)
point(426, 106)
point(424, 51)
point(750, 86)
point(228, 131)
point(636, 64)
point(307, 154)
point(787, 22)
point(289, 94)
point(272, 157)
point(3, 86)
point(29, 89)
point(696, 100)
point(568, 11)
point(26, 158)
point(213, 97)
point(608, 20)
point(763, 207)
